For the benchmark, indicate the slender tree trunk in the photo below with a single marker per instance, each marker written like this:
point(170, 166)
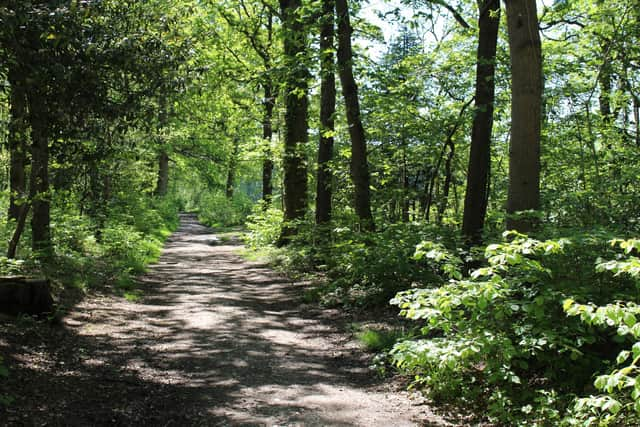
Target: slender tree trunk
point(17, 139)
point(327, 111)
point(296, 118)
point(267, 124)
point(20, 223)
point(479, 170)
point(359, 164)
point(231, 172)
point(448, 177)
point(162, 186)
point(267, 135)
point(39, 181)
point(636, 117)
point(526, 92)
point(604, 81)
point(404, 203)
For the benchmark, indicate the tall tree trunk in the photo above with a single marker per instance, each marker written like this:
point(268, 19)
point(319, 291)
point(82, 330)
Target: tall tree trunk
point(448, 177)
point(267, 124)
point(404, 178)
point(359, 164)
point(231, 171)
point(479, 170)
point(526, 92)
point(296, 118)
point(267, 135)
point(636, 117)
point(162, 186)
point(604, 81)
point(17, 141)
point(327, 111)
point(39, 181)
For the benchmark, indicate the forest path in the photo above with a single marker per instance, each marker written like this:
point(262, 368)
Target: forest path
point(214, 340)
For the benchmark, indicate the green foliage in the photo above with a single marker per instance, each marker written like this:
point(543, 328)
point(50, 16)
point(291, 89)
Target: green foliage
point(367, 269)
point(217, 210)
point(498, 339)
point(263, 226)
point(10, 267)
point(620, 388)
point(379, 339)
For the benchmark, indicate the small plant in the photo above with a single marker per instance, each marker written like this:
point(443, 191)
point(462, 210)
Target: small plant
point(378, 340)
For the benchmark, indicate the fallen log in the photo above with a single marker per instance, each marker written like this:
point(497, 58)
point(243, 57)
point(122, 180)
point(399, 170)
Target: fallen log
point(25, 295)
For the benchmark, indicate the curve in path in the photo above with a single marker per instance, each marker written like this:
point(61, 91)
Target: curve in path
point(215, 340)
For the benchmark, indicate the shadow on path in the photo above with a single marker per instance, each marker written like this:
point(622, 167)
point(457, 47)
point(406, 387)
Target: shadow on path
point(215, 340)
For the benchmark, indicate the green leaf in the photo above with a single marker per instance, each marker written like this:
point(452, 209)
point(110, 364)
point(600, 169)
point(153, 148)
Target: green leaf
point(566, 305)
point(623, 356)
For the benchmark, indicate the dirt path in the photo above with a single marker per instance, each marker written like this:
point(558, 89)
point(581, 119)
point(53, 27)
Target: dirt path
point(215, 340)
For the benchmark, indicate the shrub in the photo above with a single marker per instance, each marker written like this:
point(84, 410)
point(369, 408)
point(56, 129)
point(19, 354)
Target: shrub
point(499, 339)
point(619, 401)
point(263, 226)
point(215, 209)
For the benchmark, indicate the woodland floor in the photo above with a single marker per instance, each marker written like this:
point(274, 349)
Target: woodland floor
point(214, 340)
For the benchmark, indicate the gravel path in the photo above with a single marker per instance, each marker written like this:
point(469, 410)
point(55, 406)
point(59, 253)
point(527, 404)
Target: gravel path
point(214, 341)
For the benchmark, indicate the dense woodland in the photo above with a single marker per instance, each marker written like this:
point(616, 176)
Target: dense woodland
point(474, 163)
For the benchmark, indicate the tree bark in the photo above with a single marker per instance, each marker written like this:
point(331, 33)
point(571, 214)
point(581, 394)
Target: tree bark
point(359, 165)
point(267, 135)
point(327, 111)
point(448, 177)
point(17, 233)
point(25, 295)
point(17, 142)
point(526, 105)
point(296, 119)
point(479, 169)
point(39, 181)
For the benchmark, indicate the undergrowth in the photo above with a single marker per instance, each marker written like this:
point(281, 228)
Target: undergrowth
point(87, 253)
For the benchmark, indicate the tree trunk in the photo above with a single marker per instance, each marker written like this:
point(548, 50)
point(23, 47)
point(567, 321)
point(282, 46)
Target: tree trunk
point(17, 141)
point(327, 111)
point(267, 135)
point(448, 177)
point(526, 92)
point(231, 172)
point(162, 186)
point(404, 180)
point(359, 165)
point(479, 170)
point(296, 119)
point(17, 233)
point(25, 295)
point(39, 181)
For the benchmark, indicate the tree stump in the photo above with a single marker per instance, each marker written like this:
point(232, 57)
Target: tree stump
point(25, 295)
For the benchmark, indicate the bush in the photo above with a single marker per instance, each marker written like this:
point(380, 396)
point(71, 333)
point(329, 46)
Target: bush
point(499, 339)
point(367, 269)
point(619, 401)
point(263, 226)
point(216, 210)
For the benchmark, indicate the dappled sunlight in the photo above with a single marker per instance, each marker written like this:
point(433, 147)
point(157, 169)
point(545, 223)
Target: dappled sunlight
point(223, 340)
